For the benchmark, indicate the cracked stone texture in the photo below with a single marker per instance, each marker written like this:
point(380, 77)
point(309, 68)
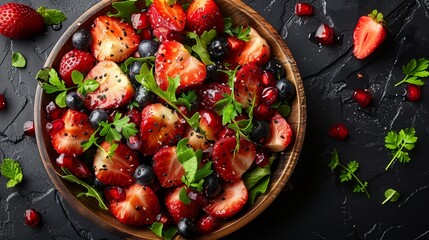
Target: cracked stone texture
point(314, 204)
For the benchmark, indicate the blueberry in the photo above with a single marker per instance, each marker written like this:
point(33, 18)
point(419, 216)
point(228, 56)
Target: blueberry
point(143, 96)
point(82, 39)
point(286, 90)
point(211, 186)
point(276, 67)
point(148, 48)
point(144, 174)
point(218, 48)
point(187, 228)
point(211, 70)
point(74, 101)
point(97, 116)
point(134, 70)
point(260, 132)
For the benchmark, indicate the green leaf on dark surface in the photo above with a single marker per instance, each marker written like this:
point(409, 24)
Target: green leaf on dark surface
point(18, 60)
point(51, 16)
point(391, 195)
point(11, 169)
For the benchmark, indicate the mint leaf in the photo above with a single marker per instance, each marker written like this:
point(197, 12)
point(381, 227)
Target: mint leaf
point(18, 60)
point(11, 170)
point(183, 196)
point(124, 9)
point(60, 100)
point(156, 228)
point(51, 16)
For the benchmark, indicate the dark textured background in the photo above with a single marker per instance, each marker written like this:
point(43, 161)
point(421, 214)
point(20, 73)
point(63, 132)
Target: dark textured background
point(315, 205)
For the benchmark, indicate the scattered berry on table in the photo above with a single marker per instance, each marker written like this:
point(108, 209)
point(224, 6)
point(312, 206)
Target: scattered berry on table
point(29, 128)
point(414, 93)
point(339, 131)
point(362, 97)
point(303, 9)
point(32, 218)
point(2, 102)
point(324, 34)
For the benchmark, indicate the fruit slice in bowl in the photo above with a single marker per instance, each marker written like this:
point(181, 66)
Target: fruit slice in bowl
point(264, 37)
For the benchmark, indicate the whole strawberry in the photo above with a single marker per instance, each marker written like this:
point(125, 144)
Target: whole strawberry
point(20, 21)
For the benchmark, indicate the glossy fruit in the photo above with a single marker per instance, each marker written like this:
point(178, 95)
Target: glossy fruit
point(209, 94)
point(339, 131)
point(196, 139)
point(2, 102)
point(135, 116)
point(173, 59)
point(218, 48)
point(414, 93)
point(255, 50)
point(210, 123)
point(164, 34)
point(32, 218)
point(20, 21)
point(262, 159)
point(53, 111)
point(97, 116)
point(167, 167)
point(261, 131)
point(134, 143)
point(267, 78)
point(144, 174)
point(166, 15)
point(206, 224)
point(74, 165)
point(78, 60)
point(362, 97)
point(114, 194)
point(165, 219)
point(144, 97)
point(248, 88)
point(368, 34)
point(263, 112)
point(211, 186)
point(177, 209)
point(140, 20)
point(29, 128)
point(286, 89)
point(324, 34)
point(114, 40)
point(134, 69)
point(187, 228)
point(270, 95)
point(82, 39)
point(148, 48)
point(226, 132)
point(303, 9)
point(74, 101)
point(54, 126)
point(118, 169)
point(204, 15)
point(276, 67)
point(229, 202)
point(281, 134)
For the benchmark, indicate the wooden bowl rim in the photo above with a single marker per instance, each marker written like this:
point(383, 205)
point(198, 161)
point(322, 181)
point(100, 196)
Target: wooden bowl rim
point(231, 225)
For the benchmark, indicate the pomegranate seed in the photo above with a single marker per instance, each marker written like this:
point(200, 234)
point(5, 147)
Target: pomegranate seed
point(226, 132)
point(267, 78)
point(135, 116)
point(414, 92)
point(32, 217)
point(145, 34)
point(54, 127)
point(339, 131)
point(53, 111)
point(165, 219)
point(269, 95)
point(262, 158)
point(140, 20)
point(303, 9)
point(263, 112)
point(324, 34)
point(362, 97)
point(29, 128)
point(206, 224)
point(134, 143)
point(115, 194)
point(74, 165)
point(2, 102)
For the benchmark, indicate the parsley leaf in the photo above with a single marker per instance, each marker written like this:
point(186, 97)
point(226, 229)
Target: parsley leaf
point(200, 48)
point(228, 107)
point(400, 143)
point(391, 195)
point(54, 84)
point(414, 70)
point(158, 229)
point(186, 99)
point(51, 16)
point(239, 32)
point(11, 170)
point(18, 60)
point(124, 9)
point(86, 86)
point(347, 173)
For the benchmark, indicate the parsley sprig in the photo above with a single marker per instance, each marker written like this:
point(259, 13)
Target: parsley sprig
point(11, 169)
point(240, 32)
point(414, 71)
point(228, 107)
point(201, 43)
point(400, 143)
point(347, 173)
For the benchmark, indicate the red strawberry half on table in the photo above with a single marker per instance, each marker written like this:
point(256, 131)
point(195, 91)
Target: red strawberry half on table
point(20, 21)
point(368, 35)
point(204, 15)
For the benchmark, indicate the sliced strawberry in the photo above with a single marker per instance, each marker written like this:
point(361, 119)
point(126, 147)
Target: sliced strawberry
point(209, 94)
point(235, 45)
point(204, 15)
point(177, 208)
point(75, 60)
point(76, 129)
point(231, 166)
point(281, 134)
point(248, 87)
point(211, 124)
point(140, 207)
point(229, 202)
point(173, 59)
point(115, 88)
point(167, 167)
point(255, 50)
point(117, 170)
point(170, 16)
point(368, 35)
point(159, 126)
point(113, 39)
point(196, 140)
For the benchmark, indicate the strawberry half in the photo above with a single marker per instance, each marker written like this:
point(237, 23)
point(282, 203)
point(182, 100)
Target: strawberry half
point(248, 85)
point(140, 207)
point(204, 15)
point(20, 21)
point(113, 39)
point(173, 59)
point(209, 94)
point(281, 134)
point(231, 166)
point(368, 35)
point(117, 170)
point(229, 202)
point(75, 60)
point(167, 167)
point(255, 50)
point(115, 88)
point(210, 123)
point(170, 16)
point(76, 130)
point(159, 126)
point(196, 140)
point(177, 208)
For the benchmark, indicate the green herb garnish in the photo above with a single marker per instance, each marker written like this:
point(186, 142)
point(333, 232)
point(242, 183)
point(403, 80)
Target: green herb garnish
point(400, 143)
point(51, 16)
point(200, 47)
point(11, 169)
point(414, 71)
point(18, 60)
point(124, 9)
point(239, 32)
point(391, 195)
point(158, 229)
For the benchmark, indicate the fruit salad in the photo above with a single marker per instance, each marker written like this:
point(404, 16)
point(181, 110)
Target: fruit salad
point(168, 114)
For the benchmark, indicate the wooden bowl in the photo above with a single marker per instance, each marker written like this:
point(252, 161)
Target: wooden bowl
point(88, 207)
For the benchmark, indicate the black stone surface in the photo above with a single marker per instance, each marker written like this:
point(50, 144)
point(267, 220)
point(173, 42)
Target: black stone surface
point(314, 204)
